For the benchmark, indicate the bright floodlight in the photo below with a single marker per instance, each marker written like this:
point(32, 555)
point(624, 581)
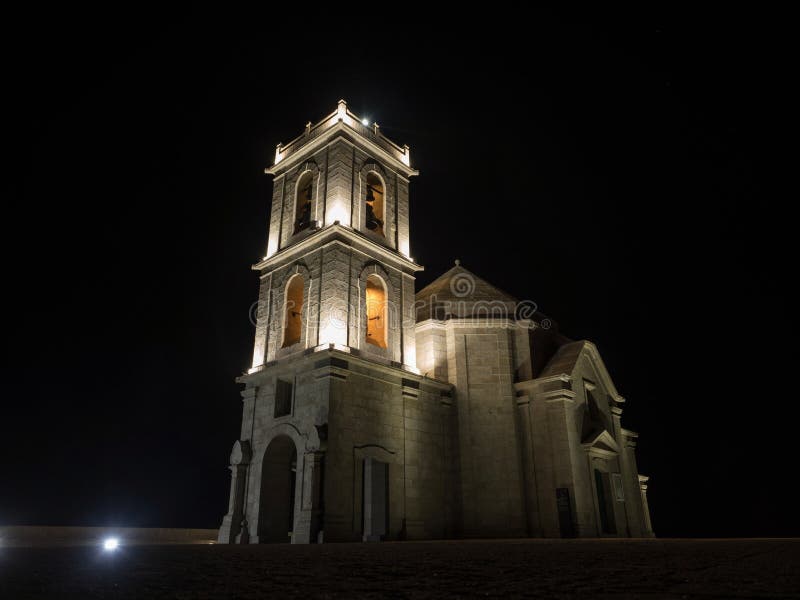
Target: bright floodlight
point(365, 122)
point(110, 544)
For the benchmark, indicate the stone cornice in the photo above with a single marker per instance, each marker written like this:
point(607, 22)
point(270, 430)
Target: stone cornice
point(459, 323)
point(328, 351)
point(531, 385)
point(337, 233)
point(558, 396)
point(599, 452)
point(430, 324)
point(343, 131)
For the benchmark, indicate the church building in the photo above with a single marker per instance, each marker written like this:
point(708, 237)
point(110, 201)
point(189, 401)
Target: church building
point(373, 411)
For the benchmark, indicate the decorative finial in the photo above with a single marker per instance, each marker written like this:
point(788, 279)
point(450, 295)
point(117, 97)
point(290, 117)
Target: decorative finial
point(458, 263)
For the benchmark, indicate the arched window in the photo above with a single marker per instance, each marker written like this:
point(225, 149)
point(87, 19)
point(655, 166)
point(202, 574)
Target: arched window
point(376, 311)
point(302, 211)
point(293, 311)
point(375, 204)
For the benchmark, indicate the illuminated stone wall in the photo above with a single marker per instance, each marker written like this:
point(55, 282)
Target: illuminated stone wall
point(480, 367)
point(405, 423)
point(528, 437)
point(339, 194)
point(486, 432)
point(366, 410)
point(334, 310)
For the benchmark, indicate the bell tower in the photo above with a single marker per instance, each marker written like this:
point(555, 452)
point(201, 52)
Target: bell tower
point(324, 451)
point(338, 224)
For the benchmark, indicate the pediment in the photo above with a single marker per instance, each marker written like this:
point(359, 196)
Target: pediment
point(566, 359)
point(601, 441)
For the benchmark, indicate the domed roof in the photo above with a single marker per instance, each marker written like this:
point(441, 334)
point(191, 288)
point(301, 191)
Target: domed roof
point(460, 293)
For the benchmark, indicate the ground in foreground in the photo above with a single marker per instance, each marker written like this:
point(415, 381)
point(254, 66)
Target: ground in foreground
point(544, 568)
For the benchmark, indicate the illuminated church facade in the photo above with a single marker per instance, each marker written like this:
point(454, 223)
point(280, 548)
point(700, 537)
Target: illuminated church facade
point(375, 412)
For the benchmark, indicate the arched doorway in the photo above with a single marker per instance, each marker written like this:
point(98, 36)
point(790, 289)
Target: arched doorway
point(278, 475)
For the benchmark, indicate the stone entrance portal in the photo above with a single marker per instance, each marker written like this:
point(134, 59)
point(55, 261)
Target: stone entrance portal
point(277, 510)
point(605, 503)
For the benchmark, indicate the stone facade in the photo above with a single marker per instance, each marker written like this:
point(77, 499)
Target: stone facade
point(374, 413)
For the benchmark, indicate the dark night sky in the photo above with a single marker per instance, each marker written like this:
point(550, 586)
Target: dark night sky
point(634, 165)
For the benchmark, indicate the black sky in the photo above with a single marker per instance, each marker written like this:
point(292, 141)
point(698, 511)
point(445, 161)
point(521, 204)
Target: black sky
point(636, 166)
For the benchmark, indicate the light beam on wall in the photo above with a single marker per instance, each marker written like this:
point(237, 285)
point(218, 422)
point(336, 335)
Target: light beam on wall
point(336, 211)
point(333, 323)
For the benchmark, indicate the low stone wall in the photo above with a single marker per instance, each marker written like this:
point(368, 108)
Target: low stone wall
point(87, 536)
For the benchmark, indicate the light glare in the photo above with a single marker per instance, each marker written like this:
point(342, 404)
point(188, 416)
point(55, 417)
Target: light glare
point(110, 544)
point(365, 122)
